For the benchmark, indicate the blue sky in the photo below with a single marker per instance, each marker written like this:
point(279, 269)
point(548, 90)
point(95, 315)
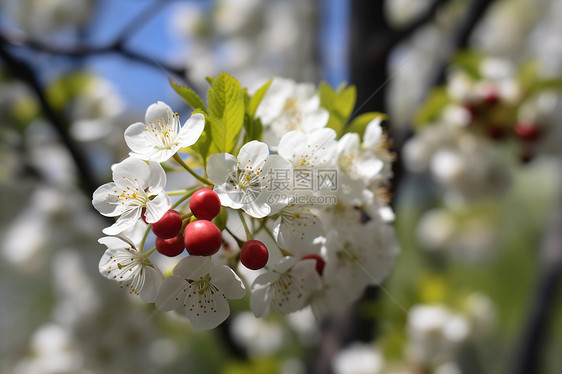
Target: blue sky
point(156, 38)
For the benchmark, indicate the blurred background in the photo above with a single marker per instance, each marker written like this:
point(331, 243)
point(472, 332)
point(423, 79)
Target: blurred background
point(478, 212)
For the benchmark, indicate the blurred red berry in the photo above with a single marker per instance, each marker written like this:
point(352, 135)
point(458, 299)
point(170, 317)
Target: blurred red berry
point(320, 263)
point(254, 254)
point(527, 130)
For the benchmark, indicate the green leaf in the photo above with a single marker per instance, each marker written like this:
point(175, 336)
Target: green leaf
point(225, 99)
point(359, 123)
point(469, 61)
point(189, 96)
point(436, 101)
point(338, 103)
point(253, 129)
point(210, 80)
point(203, 144)
point(257, 98)
point(529, 77)
point(221, 218)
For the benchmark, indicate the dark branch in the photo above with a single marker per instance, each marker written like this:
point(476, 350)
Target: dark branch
point(404, 33)
point(25, 73)
point(461, 36)
point(118, 47)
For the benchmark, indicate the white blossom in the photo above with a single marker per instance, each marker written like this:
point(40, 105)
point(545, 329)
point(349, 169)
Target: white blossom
point(161, 136)
point(201, 289)
point(136, 185)
point(288, 286)
point(125, 264)
point(246, 182)
point(289, 106)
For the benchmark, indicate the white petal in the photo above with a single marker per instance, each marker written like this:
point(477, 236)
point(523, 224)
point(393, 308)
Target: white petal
point(124, 222)
point(104, 200)
point(284, 264)
point(291, 141)
point(208, 314)
point(157, 179)
point(228, 282)
point(135, 137)
point(259, 301)
point(257, 209)
point(130, 171)
point(159, 111)
point(253, 155)
point(373, 134)
point(169, 293)
point(229, 196)
point(153, 280)
point(194, 267)
point(191, 130)
point(218, 167)
point(156, 208)
point(315, 120)
point(349, 143)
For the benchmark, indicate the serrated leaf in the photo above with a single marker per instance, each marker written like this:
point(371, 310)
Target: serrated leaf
point(434, 104)
point(257, 98)
point(253, 129)
point(359, 123)
point(338, 103)
point(225, 99)
point(189, 96)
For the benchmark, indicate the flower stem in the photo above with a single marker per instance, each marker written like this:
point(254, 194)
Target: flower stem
point(179, 192)
point(141, 245)
point(190, 170)
point(238, 240)
point(245, 224)
point(148, 253)
point(187, 195)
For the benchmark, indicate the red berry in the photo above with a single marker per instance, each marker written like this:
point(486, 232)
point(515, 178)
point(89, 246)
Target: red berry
point(490, 95)
point(320, 263)
point(202, 238)
point(254, 254)
point(496, 132)
point(168, 226)
point(171, 247)
point(527, 130)
point(205, 204)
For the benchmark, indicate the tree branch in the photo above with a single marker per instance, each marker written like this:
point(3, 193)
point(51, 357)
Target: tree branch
point(25, 73)
point(118, 47)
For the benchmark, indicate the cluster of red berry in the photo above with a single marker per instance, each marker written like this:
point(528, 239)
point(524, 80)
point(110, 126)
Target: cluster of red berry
point(202, 237)
point(498, 120)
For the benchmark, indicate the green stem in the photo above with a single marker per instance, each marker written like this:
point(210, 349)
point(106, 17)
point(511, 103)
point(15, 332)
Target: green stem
point(239, 241)
point(178, 192)
point(185, 197)
point(148, 253)
point(141, 245)
point(245, 224)
point(190, 170)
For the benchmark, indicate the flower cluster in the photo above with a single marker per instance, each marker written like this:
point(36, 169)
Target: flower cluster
point(287, 188)
point(488, 117)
